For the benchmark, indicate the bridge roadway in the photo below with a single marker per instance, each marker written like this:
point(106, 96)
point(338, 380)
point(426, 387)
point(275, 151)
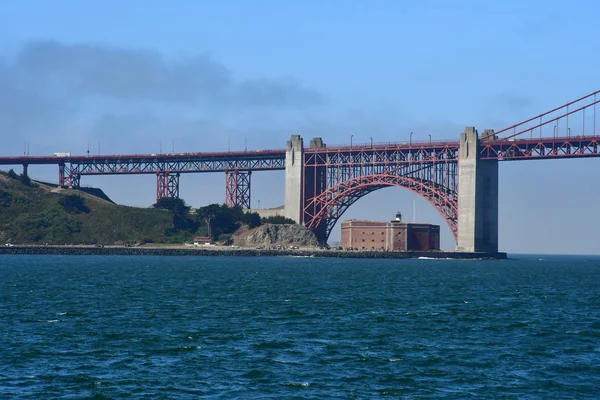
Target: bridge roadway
point(257, 160)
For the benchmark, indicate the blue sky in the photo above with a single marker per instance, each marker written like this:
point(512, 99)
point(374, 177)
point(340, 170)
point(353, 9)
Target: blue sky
point(132, 76)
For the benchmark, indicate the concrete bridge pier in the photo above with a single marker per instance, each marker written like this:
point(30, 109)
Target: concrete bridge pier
point(302, 182)
point(477, 197)
point(294, 168)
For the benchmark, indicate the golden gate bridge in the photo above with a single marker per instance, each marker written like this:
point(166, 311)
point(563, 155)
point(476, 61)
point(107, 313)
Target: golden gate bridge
point(323, 181)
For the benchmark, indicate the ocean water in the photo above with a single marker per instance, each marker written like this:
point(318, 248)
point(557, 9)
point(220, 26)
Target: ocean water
point(111, 327)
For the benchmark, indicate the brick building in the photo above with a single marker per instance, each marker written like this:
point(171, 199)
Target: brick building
point(389, 236)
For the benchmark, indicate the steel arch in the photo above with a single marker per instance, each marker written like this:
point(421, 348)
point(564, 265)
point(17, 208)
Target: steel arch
point(336, 200)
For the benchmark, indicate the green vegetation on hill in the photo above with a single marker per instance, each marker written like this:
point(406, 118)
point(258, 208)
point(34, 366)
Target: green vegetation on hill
point(222, 221)
point(34, 213)
point(277, 220)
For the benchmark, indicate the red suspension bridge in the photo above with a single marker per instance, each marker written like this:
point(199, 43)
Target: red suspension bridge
point(323, 182)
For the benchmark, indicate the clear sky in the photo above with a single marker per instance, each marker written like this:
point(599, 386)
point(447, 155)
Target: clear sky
point(137, 76)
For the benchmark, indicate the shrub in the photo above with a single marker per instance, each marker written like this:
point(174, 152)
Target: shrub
point(25, 180)
point(277, 219)
point(176, 206)
point(251, 219)
point(74, 203)
point(5, 198)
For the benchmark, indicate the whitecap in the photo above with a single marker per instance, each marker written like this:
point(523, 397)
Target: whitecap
point(52, 320)
point(61, 313)
point(394, 359)
point(304, 384)
point(280, 361)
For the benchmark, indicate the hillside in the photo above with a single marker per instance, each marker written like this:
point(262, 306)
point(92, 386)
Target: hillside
point(38, 213)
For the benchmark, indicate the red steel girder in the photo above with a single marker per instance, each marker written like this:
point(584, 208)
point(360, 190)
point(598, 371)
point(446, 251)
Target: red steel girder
point(134, 164)
point(580, 146)
point(237, 188)
point(66, 177)
point(382, 155)
point(352, 173)
point(331, 204)
point(167, 185)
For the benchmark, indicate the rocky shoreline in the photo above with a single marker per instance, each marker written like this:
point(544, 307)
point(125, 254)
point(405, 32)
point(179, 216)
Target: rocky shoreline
point(240, 252)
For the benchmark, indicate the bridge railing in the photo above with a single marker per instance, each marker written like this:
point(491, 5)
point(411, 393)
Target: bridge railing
point(387, 145)
point(87, 158)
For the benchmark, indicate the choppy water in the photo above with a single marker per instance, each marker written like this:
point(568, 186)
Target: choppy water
point(178, 328)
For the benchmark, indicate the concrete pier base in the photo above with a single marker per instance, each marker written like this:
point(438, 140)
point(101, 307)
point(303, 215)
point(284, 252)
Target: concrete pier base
point(477, 197)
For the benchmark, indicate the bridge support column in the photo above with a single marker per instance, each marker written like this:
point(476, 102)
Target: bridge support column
point(25, 169)
point(66, 177)
point(315, 183)
point(294, 171)
point(75, 180)
point(477, 197)
point(237, 188)
point(61, 175)
point(167, 185)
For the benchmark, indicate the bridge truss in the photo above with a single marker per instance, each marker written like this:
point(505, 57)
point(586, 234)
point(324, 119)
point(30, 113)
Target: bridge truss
point(336, 178)
point(168, 167)
point(237, 188)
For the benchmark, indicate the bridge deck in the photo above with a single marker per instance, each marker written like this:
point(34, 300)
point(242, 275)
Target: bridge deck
point(256, 160)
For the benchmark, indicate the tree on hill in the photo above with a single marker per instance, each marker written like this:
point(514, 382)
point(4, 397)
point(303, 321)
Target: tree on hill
point(208, 214)
point(74, 203)
point(224, 220)
point(277, 219)
point(182, 221)
point(176, 206)
point(252, 219)
point(23, 178)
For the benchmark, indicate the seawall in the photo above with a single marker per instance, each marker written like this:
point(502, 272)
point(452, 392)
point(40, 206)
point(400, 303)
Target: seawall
point(223, 251)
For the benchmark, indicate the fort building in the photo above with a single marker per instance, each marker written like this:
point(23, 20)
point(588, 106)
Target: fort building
point(390, 236)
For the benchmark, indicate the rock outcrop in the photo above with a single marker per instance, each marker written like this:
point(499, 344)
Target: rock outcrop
point(276, 234)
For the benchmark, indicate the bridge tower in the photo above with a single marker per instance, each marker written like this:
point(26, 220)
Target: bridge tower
point(477, 196)
point(294, 182)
